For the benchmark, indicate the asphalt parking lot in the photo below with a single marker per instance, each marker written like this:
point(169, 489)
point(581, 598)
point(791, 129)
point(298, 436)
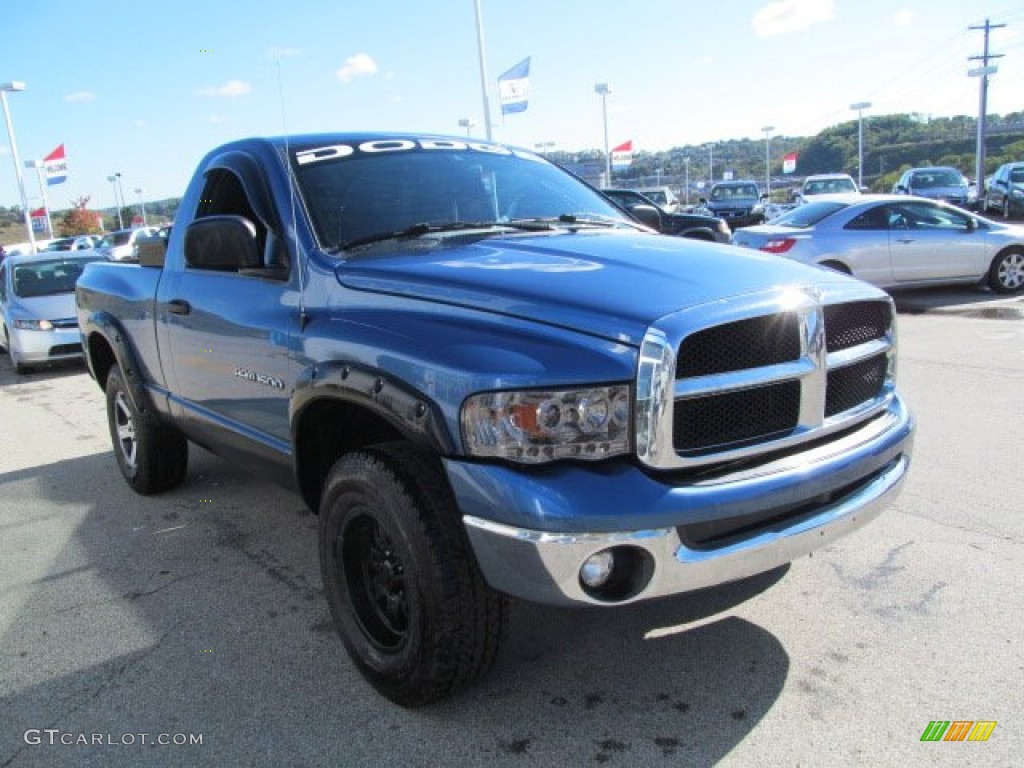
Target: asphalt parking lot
point(199, 613)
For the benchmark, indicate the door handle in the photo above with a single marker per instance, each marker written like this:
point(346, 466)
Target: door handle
point(178, 307)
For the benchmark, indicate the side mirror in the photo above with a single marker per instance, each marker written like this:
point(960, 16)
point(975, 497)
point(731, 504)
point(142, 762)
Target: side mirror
point(970, 224)
point(224, 243)
point(702, 200)
point(646, 214)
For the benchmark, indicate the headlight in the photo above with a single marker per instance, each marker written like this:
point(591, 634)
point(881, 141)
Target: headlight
point(33, 325)
point(536, 426)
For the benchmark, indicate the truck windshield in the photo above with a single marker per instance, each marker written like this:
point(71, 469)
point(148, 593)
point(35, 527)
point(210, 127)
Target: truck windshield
point(355, 193)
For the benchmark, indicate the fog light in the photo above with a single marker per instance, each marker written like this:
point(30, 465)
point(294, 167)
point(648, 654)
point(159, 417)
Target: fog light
point(597, 568)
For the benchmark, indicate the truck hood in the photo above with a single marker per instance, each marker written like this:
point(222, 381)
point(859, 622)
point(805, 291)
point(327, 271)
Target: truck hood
point(605, 283)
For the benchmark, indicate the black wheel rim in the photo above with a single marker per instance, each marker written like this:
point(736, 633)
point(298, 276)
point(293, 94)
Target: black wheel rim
point(374, 575)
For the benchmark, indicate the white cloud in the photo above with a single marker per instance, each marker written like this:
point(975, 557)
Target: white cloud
point(356, 66)
point(230, 89)
point(281, 52)
point(784, 16)
point(217, 119)
point(80, 97)
point(904, 17)
point(705, 61)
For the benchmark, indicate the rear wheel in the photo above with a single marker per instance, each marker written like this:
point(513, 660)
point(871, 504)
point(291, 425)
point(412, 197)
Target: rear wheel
point(1006, 275)
point(152, 456)
point(407, 597)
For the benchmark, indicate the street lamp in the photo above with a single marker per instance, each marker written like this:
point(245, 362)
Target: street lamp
point(142, 205)
point(768, 158)
point(860, 106)
point(469, 125)
point(604, 90)
point(39, 165)
point(711, 162)
point(686, 190)
point(118, 204)
point(14, 86)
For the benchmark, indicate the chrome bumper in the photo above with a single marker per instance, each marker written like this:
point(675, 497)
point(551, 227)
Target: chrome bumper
point(544, 566)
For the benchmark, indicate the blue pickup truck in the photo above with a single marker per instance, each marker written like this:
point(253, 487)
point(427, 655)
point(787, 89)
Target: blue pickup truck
point(488, 382)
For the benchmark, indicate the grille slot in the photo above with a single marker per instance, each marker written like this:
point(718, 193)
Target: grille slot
point(854, 384)
point(847, 325)
point(751, 343)
point(719, 421)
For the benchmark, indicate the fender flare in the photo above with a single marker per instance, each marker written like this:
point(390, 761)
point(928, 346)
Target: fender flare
point(109, 328)
point(411, 413)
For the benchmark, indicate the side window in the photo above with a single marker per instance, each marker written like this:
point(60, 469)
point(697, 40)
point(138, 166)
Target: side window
point(3, 282)
point(223, 194)
point(876, 218)
point(923, 216)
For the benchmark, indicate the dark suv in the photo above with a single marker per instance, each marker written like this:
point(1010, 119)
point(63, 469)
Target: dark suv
point(693, 225)
point(738, 202)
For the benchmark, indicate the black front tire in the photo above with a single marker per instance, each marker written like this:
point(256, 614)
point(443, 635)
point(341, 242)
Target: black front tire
point(407, 597)
point(152, 457)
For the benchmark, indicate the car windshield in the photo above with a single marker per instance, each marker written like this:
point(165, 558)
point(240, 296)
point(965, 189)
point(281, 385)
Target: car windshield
point(829, 187)
point(808, 215)
point(390, 186)
point(940, 178)
point(116, 238)
point(47, 278)
point(656, 195)
point(733, 192)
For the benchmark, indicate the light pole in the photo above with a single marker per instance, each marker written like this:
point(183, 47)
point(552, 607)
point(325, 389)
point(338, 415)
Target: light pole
point(14, 86)
point(469, 125)
point(39, 165)
point(768, 158)
point(604, 90)
point(117, 204)
point(142, 205)
point(686, 189)
point(711, 163)
point(860, 106)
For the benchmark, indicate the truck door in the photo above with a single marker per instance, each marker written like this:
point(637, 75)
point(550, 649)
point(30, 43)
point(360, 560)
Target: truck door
point(229, 335)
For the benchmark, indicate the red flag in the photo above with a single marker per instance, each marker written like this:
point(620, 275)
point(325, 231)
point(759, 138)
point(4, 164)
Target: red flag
point(622, 155)
point(56, 166)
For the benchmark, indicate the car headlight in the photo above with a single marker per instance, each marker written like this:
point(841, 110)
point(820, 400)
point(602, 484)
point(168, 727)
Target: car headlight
point(33, 325)
point(537, 426)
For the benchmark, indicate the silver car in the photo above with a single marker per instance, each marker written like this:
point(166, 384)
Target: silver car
point(896, 240)
point(37, 307)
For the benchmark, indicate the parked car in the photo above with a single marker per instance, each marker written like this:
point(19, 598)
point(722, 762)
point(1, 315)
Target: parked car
point(694, 225)
point(896, 240)
point(76, 243)
point(819, 184)
point(37, 307)
point(1005, 190)
point(738, 202)
point(120, 244)
point(935, 182)
point(664, 197)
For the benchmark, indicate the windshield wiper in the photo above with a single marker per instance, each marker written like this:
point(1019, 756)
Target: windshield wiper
point(419, 230)
point(570, 219)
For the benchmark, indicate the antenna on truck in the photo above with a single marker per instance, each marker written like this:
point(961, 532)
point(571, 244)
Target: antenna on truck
point(291, 201)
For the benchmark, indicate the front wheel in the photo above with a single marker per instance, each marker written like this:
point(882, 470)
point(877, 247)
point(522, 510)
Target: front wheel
point(405, 592)
point(1006, 275)
point(152, 457)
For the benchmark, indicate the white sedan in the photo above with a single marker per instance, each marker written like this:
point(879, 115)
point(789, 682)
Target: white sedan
point(896, 241)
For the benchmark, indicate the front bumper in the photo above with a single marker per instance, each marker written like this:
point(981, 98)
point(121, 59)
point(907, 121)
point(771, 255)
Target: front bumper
point(31, 347)
point(531, 533)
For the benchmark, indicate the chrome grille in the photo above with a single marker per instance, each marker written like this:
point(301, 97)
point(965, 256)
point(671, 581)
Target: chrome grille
point(789, 369)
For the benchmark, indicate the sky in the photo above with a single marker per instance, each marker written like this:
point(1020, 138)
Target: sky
point(145, 90)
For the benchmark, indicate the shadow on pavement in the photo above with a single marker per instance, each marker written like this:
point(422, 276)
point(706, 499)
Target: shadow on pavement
point(200, 612)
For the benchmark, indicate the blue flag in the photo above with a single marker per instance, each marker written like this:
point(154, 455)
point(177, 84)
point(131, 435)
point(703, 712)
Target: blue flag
point(514, 86)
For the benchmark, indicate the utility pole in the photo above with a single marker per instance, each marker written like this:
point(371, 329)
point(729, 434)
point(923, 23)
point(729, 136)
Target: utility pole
point(983, 72)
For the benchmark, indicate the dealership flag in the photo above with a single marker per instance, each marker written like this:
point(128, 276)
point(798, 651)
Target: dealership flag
point(56, 167)
point(789, 163)
point(514, 87)
point(622, 155)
